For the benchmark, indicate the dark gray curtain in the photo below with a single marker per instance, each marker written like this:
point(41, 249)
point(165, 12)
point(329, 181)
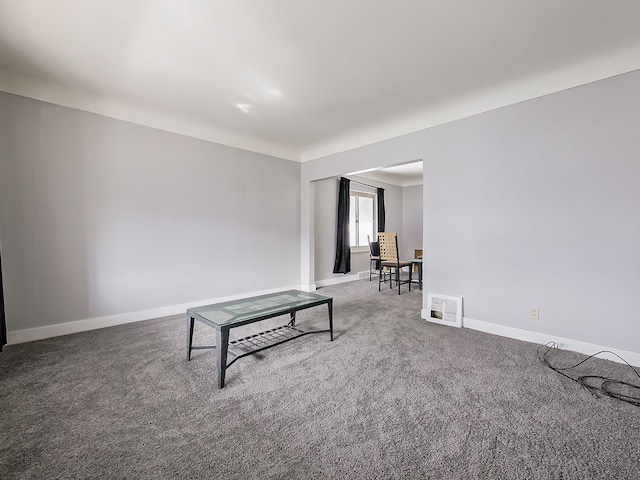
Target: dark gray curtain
point(343, 250)
point(381, 218)
point(3, 326)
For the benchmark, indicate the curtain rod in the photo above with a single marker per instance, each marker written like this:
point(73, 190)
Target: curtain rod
point(365, 184)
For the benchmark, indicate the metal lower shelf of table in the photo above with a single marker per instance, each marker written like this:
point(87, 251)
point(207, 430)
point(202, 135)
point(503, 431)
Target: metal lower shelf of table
point(262, 340)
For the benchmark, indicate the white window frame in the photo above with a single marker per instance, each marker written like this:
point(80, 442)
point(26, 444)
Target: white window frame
point(355, 215)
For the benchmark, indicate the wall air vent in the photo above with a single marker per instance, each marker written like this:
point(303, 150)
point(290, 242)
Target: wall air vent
point(444, 309)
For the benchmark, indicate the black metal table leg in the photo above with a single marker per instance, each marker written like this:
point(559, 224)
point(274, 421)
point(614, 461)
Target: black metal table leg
point(190, 323)
point(293, 319)
point(330, 305)
point(222, 346)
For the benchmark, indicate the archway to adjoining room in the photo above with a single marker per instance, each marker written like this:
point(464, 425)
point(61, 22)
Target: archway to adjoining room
point(403, 186)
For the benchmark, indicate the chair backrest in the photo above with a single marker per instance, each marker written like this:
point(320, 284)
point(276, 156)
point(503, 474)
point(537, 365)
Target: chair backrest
point(388, 246)
point(374, 248)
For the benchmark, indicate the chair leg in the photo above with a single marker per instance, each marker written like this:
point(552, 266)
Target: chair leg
point(410, 272)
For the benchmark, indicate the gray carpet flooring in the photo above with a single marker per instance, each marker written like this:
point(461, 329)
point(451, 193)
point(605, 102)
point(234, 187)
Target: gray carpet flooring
point(393, 396)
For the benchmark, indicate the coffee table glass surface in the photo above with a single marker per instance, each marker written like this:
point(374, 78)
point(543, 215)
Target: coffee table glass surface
point(239, 311)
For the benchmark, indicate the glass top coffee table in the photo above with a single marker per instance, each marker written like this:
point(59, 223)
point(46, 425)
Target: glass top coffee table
point(227, 315)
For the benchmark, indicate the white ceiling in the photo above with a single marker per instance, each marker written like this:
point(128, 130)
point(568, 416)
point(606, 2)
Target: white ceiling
point(404, 175)
point(302, 79)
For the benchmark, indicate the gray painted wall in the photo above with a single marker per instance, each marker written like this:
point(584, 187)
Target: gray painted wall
point(325, 215)
point(326, 204)
point(536, 205)
point(411, 221)
point(531, 205)
point(100, 217)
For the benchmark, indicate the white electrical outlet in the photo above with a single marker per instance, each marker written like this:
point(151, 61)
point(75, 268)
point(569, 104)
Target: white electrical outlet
point(534, 313)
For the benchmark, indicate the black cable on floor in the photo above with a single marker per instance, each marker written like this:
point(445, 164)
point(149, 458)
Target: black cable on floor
point(596, 383)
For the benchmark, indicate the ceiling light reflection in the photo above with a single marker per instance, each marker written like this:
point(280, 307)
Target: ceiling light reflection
point(273, 92)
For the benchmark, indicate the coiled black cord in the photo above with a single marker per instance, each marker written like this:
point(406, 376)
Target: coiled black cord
point(624, 391)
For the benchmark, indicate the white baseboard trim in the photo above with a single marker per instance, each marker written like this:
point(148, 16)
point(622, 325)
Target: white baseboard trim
point(337, 280)
point(49, 331)
point(542, 338)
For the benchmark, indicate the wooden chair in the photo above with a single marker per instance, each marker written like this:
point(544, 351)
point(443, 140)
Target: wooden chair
point(389, 258)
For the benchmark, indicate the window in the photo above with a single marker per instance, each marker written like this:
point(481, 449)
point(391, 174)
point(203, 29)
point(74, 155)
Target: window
point(361, 219)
